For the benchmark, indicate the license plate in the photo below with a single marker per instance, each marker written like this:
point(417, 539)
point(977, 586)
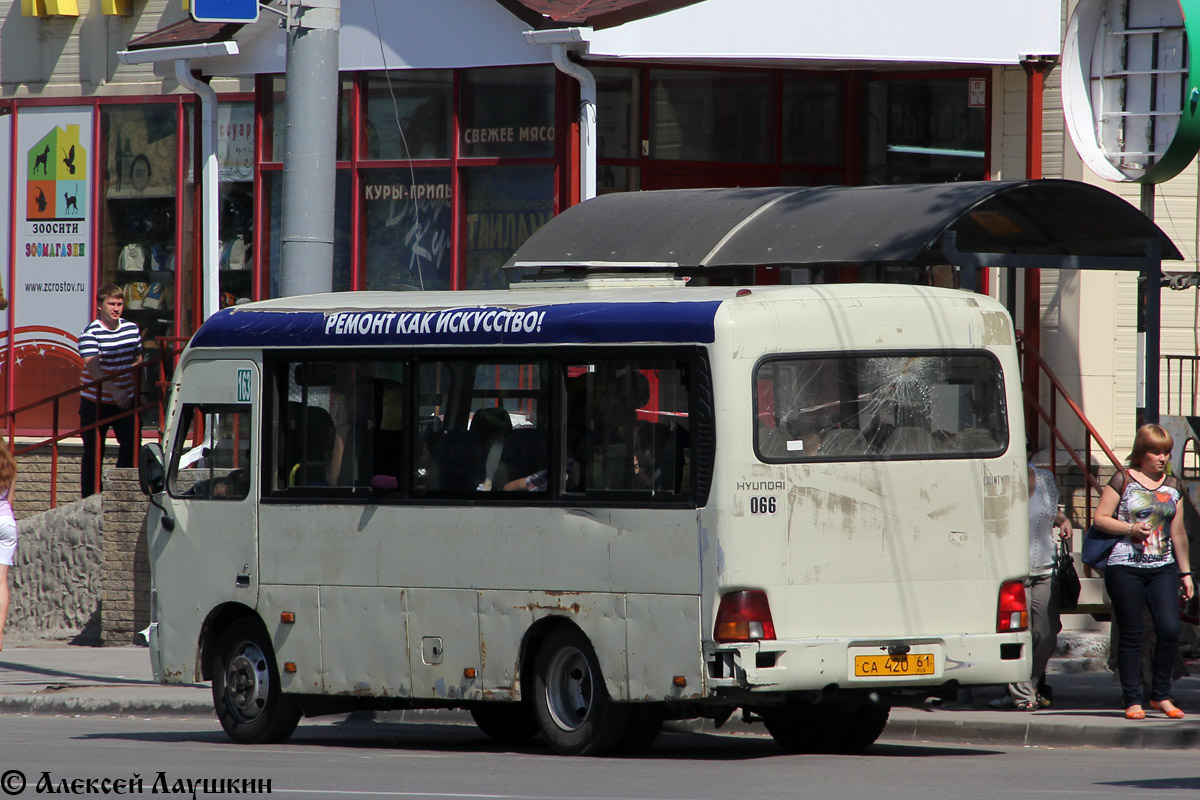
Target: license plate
point(886, 666)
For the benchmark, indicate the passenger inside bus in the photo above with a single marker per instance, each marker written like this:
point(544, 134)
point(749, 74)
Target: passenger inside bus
point(491, 427)
point(523, 464)
point(658, 457)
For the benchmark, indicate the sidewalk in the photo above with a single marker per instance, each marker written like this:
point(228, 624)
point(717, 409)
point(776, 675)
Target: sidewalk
point(44, 677)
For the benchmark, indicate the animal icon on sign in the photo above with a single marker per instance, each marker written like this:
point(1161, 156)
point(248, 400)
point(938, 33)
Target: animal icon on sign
point(42, 160)
point(71, 202)
point(40, 200)
point(69, 160)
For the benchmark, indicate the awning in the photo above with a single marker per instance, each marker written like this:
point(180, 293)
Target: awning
point(1044, 223)
point(185, 32)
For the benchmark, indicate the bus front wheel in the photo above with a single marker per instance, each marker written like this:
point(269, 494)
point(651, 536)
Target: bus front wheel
point(245, 686)
point(574, 711)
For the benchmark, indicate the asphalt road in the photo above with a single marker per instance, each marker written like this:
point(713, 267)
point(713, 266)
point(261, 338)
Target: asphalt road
point(455, 762)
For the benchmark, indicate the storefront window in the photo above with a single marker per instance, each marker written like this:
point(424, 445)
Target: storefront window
point(235, 159)
point(137, 232)
point(504, 205)
point(924, 131)
point(711, 116)
point(812, 120)
point(610, 179)
point(508, 112)
point(408, 114)
point(406, 228)
point(617, 112)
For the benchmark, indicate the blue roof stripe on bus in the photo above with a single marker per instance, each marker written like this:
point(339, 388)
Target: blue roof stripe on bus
point(567, 323)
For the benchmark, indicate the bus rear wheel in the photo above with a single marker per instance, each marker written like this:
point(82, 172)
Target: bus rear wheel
point(245, 687)
point(573, 708)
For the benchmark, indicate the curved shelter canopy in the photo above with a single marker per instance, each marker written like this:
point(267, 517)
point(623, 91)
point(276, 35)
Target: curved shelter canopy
point(1043, 223)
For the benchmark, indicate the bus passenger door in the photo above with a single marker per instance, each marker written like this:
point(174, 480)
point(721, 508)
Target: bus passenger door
point(210, 556)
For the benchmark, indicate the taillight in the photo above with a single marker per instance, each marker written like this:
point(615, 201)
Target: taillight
point(744, 616)
point(1014, 610)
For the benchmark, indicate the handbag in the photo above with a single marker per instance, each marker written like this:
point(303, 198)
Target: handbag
point(1096, 548)
point(1066, 579)
point(132, 258)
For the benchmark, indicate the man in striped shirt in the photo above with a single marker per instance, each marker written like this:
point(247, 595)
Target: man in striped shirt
point(108, 344)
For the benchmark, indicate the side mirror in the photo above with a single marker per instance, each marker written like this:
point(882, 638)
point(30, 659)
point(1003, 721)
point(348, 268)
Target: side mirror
point(150, 468)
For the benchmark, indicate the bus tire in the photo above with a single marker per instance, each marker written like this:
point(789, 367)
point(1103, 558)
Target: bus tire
point(645, 723)
point(829, 728)
point(510, 723)
point(866, 728)
point(795, 728)
point(573, 709)
point(245, 687)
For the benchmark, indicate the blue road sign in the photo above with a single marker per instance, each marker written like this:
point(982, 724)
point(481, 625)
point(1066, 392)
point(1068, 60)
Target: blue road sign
point(225, 10)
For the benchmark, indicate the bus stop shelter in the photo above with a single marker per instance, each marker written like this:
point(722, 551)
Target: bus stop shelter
point(728, 233)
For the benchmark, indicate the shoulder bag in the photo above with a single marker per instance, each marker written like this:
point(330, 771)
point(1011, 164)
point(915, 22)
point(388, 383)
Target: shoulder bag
point(1097, 546)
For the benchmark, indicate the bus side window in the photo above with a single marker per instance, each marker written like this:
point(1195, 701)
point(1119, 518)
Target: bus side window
point(470, 410)
point(330, 419)
point(626, 427)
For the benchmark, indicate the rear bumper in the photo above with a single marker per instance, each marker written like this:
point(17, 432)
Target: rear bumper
point(155, 659)
point(814, 664)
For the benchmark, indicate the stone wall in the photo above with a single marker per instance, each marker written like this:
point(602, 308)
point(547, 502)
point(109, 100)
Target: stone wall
point(35, 471)
point(55, 581)
point(125, 586)
point(82, 570)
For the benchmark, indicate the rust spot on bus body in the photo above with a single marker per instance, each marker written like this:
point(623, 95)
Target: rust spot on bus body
point(574, 608)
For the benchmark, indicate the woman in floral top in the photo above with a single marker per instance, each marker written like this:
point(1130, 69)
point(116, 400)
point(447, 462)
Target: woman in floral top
point(1148, 568)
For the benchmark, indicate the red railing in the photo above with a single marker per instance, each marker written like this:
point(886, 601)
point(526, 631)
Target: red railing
point(169, 349)
point(1050, 418)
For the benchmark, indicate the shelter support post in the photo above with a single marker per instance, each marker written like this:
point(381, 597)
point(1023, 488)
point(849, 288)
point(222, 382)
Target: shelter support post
point(1149, 309)
point(1150, 331)
point(1035, 83)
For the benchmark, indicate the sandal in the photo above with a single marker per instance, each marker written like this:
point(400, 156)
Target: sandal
point(1135, 712)
point(1167, 707)
point(1008, 703)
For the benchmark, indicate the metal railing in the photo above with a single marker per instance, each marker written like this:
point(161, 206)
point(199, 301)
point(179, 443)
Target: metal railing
point(1183, 382)
point(169, 349)
point(1050, 418)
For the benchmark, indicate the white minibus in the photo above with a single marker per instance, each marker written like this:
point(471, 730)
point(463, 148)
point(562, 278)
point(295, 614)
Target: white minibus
point(581, 508)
